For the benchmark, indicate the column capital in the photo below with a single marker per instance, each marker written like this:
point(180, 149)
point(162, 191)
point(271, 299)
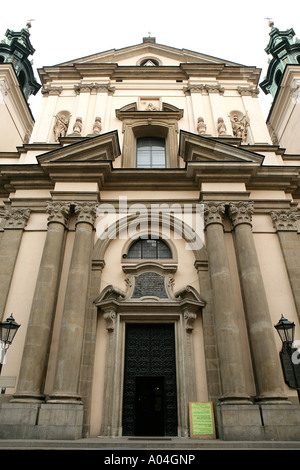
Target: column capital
point(285, 220)
point(58, 212)
point(86, 212)
point(214, 212)
point(241, 212)
point(16, 218)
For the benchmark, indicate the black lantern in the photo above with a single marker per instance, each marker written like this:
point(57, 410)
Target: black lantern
point(286, 331)
point(8, 330)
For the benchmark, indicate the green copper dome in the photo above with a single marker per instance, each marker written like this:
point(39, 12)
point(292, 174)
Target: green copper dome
point(15, 50)
point(284, 51)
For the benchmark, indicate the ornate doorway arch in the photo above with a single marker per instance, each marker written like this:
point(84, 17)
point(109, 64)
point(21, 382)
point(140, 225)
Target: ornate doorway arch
point(121, 308)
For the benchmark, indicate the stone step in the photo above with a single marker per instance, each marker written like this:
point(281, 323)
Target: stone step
point(149, 443)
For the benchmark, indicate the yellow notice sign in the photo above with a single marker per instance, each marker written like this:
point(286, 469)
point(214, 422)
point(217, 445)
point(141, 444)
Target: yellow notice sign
point(202, 424)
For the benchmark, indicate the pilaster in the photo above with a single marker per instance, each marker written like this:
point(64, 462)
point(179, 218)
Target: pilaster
point(16, 221)
point(285, 223)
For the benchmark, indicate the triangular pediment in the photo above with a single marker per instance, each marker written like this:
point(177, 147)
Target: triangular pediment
point(146, 52)
point(104, 147)
point(197, 148)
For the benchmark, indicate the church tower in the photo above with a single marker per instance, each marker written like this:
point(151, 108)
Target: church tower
point(17, 84)
point(283, 83)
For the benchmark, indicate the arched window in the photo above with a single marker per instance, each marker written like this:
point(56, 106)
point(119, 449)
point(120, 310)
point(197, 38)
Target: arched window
point(151, 152)
point(147, 248)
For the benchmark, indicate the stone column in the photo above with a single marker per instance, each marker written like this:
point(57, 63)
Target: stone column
point(67, 376)
point(39, 331)
point(260, 329)
point(285, 222)
point(16, 220)
point(226, 324)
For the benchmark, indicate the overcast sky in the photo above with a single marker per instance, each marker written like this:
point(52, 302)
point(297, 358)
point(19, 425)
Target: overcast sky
point(232, 30)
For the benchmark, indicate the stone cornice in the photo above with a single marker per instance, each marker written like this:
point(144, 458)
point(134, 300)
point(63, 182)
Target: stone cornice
point(79, 71)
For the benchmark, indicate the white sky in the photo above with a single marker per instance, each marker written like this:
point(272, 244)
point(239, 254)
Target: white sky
point(231, 30)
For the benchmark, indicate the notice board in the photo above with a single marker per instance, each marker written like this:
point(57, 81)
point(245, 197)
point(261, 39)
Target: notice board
point(202, 423)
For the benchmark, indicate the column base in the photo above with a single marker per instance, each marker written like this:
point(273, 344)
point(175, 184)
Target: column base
point(278, 422)
point(41, 421)
point(27, 398)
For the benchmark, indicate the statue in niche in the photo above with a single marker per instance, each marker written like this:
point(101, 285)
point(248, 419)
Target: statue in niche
point(77, 128)
point(60, 126)
point(239, 126)
point(221, 126)
point(201, 126)
point(97, 125)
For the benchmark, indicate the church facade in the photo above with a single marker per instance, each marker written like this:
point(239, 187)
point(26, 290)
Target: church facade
point(149, 242)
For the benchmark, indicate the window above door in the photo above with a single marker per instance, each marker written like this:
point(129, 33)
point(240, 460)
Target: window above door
point(151, 152)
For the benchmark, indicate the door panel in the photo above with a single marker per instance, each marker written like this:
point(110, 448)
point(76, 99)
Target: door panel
point(150, 377)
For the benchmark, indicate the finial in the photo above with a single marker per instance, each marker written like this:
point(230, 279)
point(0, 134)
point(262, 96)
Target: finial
point(271, 22)
point(28, 24)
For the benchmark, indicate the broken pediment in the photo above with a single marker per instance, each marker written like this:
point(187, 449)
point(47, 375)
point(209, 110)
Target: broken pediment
point(149, 107)
point(103, 147)
point(196, 148)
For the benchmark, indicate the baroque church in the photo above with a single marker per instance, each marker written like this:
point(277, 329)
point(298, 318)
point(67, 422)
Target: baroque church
point(149, 244)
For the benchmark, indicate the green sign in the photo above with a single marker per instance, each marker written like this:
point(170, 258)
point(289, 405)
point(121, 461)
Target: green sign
point(202, 424)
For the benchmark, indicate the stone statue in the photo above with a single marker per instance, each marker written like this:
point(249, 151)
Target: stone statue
point(97, 125)
point(151, 107)
point(239, 126)
point(221, 126)
point(201, 126)
point(60, 127)
point(77, 128)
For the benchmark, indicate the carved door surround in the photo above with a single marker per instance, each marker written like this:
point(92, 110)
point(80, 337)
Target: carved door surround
point(162, 306)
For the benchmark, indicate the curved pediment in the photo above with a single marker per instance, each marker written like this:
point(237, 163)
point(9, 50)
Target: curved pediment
point(149, 107)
